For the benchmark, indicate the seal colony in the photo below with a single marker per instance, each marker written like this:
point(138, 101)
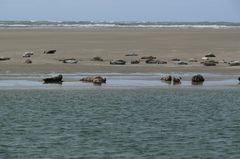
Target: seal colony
point(197, 79)
point(207, 60)
point(130, 50)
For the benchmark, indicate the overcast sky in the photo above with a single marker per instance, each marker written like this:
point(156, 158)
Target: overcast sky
point(121, 10)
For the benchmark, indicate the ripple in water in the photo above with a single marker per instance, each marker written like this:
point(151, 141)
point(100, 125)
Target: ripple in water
point(137, 123)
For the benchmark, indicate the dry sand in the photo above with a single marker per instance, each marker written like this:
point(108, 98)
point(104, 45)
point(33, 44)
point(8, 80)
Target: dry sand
point(113, 44)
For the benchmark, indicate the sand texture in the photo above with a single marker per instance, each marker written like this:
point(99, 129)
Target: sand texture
point(112, 44)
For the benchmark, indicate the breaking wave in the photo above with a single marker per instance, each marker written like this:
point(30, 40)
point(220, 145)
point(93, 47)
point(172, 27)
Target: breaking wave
point(92, 24)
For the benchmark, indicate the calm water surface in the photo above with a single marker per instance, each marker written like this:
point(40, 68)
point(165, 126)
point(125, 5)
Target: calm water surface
point(128, 123)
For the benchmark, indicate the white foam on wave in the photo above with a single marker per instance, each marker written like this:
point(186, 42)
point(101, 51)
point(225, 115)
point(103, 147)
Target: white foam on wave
point(112, 25)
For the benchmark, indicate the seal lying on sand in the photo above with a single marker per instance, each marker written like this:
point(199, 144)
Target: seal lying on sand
point(95, 80)
point(56, 79)
point(192, 60)
point(197, 79)
point(175, 80)
point(131, 54)
point(97, 58)
point(2, 58)
point(152, 61)
point(50, 52)
point(167, 78)
point(234, 63)
point(210, 55)
point(181, 63)
point(27, 54)
point(148, 57)
point(210, 63)
point(118, 62)
point(135, 62)
point(70, 61)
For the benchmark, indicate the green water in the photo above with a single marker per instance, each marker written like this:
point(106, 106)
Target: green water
point(135, 123)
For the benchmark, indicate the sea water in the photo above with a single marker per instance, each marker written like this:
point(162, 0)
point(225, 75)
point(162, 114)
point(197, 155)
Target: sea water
point(120, 123)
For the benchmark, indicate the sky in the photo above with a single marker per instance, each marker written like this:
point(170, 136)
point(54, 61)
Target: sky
point(121, 10)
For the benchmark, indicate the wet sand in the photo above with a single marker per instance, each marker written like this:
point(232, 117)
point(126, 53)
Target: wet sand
point(117, 81)
point(112, 44)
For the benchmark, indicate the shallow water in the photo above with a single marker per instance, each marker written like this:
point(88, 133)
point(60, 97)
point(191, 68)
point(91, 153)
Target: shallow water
point(120, 123)
point(112, 84)
point(114, 80)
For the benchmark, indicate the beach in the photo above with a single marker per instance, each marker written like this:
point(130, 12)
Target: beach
point(114, 43)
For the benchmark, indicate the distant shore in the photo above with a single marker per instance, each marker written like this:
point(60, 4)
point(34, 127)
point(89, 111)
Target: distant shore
point(113, 44)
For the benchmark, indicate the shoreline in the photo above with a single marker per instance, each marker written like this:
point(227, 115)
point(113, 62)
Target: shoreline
point(76, 68)
point(117, 81)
